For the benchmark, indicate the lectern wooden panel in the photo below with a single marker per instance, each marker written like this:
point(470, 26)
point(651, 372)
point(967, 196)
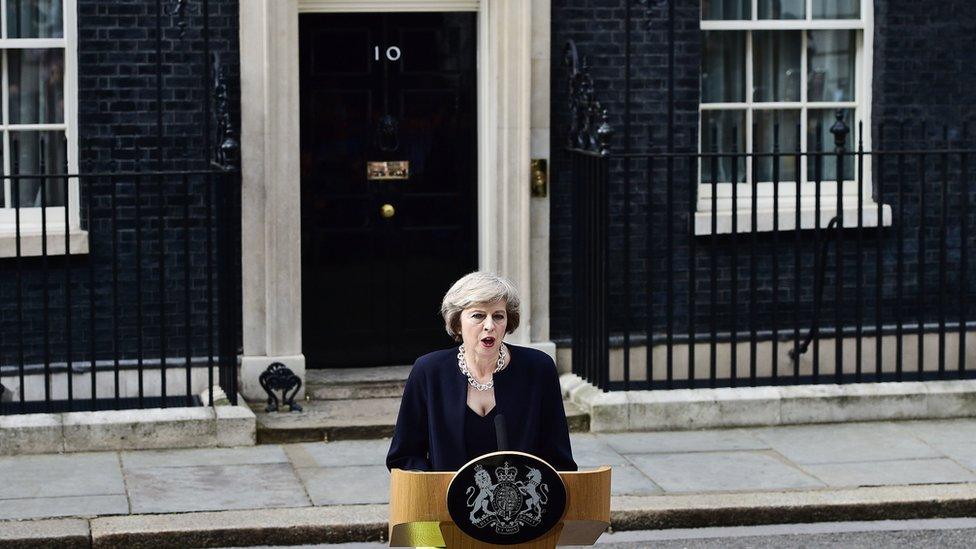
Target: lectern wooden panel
point(419, 515)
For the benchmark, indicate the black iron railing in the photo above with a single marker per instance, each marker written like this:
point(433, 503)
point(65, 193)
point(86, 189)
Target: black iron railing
point(123, 290)
point(710, 264)
point(706, 283)
point(131, 303)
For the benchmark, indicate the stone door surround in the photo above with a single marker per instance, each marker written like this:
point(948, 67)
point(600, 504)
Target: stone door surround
point(271, 233)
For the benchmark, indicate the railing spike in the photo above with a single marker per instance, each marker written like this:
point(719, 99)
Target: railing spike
point(839, 129)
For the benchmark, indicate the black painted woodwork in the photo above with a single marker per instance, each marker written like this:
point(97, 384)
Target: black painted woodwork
point(371, 286)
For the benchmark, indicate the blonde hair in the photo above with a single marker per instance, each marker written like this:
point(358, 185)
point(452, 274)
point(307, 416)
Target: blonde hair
point(474, 288)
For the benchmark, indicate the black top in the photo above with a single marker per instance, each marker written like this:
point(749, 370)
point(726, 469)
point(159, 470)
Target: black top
point(431, 425)
point(479, 433)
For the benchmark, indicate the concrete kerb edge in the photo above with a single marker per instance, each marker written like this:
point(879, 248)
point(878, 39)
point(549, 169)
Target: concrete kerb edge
point(754, 516)
point(606, 410)
point(60, 533)
point(31, 434)
point(236, 425)
point(334, 524)
point(687, 409)
point(751, 509)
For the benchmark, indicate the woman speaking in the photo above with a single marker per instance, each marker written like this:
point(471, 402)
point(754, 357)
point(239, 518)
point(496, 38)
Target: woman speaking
point(452, 397)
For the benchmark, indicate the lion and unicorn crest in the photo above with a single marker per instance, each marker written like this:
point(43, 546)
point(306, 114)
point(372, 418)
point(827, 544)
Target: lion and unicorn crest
point(509, 503)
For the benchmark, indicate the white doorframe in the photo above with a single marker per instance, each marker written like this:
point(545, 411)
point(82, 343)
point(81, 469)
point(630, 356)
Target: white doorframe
point(271, 227)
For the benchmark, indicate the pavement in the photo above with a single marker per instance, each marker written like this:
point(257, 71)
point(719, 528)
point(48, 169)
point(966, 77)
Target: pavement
point(337, 492)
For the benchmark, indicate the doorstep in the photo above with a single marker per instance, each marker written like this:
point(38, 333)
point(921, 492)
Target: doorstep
point(353, 404)
point(353, 419)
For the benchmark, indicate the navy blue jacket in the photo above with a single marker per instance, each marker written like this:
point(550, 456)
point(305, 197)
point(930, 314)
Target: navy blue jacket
point(429, 434)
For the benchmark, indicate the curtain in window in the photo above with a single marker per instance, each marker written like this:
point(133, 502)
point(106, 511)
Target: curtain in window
point(34, 19)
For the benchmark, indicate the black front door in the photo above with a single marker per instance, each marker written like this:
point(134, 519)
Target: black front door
point(389, 180)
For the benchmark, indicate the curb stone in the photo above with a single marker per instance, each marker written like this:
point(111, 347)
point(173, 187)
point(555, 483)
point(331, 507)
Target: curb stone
point(59, 533)
point(752, 509)
point(358, 523)
point(336, 524)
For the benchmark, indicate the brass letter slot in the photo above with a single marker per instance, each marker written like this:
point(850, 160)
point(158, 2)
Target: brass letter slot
point(388, 170)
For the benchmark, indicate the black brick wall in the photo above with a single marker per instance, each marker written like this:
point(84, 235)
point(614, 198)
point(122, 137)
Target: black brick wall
point(923, 72)
point(598, 27)
point(117, 126)
point(921, 78)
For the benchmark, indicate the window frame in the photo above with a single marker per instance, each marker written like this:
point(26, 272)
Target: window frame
point(861, 111)
point(30, 216)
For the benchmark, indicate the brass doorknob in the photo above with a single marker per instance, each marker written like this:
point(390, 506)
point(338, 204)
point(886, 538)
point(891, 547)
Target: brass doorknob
point(387, 211)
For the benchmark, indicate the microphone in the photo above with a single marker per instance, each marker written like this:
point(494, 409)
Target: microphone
point(501, 435)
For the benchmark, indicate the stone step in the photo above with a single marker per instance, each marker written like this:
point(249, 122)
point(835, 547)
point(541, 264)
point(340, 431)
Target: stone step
point(351, 419)
point(356, 383)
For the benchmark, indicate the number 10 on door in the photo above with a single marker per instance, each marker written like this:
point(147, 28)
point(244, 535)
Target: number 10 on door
point(392, 53)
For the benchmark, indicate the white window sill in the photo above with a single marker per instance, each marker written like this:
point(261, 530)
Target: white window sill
point(30, 243)
point(787, 217)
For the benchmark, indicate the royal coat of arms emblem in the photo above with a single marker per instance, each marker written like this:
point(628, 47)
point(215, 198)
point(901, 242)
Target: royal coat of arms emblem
point(509, 498)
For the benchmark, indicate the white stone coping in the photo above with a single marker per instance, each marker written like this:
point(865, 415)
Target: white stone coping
point(686, 409)
point(151, 428)
point(30, 242)
point(787, 217)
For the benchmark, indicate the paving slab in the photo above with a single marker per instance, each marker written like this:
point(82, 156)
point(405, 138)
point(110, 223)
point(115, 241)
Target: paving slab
point(339, 453)
point(591, 451)
point(627, 480)
point(721, 472)
point(891, 473)
point(346, 485)
point(44, 476)
point(954, 438)
point(65, 506)
point(850, 442)
point(683, 441)
point(214, 487)
point(247, 455)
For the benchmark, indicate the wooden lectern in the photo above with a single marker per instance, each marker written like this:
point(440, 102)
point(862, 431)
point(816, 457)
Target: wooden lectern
point(419, 515)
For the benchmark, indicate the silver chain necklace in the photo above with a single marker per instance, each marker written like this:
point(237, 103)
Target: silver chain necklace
point(463, 365)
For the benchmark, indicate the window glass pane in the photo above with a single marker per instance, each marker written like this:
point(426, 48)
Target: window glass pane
point(38, 153)
point(819, 123)
point(784, 137)
point(714, 10)
point(34, 19)
point(720, 130)
point(36, 86)
point(776, 65)
point(836, 9)
point(830, 55)
point(782, 9)
point(723, 78)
